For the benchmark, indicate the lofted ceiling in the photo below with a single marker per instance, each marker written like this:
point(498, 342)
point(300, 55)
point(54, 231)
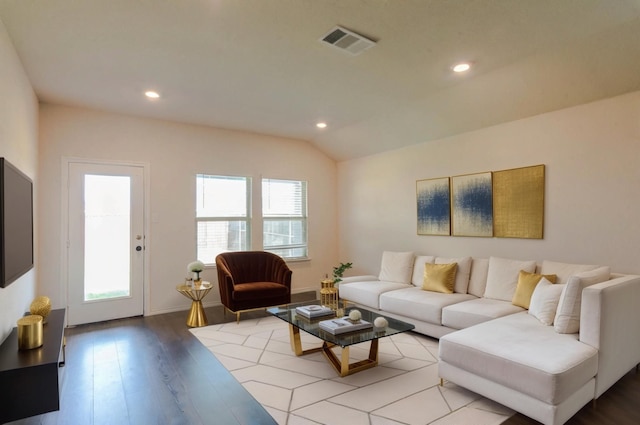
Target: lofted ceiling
point(258, 65)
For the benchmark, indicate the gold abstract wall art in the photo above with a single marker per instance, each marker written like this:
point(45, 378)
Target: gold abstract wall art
point(518, 202)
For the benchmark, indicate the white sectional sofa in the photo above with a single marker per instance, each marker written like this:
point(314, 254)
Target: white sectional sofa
point(576, 339)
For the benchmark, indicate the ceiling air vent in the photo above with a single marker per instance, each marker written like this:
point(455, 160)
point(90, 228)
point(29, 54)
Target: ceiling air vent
point(347, 41)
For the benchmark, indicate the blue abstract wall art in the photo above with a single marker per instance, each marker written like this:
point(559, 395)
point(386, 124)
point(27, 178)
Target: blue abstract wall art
point(472, 206)
point(433, 198)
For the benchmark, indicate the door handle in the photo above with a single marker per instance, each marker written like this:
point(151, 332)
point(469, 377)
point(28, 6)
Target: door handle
point(138, 248)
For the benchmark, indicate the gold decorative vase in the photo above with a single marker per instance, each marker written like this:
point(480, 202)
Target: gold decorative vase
point(41, 306)
point(29, 332)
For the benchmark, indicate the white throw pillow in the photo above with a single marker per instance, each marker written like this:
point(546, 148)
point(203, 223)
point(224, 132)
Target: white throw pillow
point(502, 278)
point(462, 274)
point(418, 269)
point(544, 301)
point(396, 267)
point(564, 270)
point(567, 319)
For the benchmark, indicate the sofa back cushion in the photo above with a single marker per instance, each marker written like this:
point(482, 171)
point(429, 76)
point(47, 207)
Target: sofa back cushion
point(418, 269)
point(567, 320)
point(478, 276)
point(502, 277)
point(396, 267)
point(462, 273)
point(564, 270)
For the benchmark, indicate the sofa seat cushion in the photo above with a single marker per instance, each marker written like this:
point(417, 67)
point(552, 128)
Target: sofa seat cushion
point(472, 312)
point(414, 303)
point(368, 293)
point(517, 351)
point(251, 291)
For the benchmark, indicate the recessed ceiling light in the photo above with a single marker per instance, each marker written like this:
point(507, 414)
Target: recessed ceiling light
point(461, 67)
point(321, 125)
point(152, 94)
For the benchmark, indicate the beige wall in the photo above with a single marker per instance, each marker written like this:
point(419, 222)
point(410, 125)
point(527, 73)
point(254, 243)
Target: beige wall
point(175, 153)
point(592, 205)
point(18, 144)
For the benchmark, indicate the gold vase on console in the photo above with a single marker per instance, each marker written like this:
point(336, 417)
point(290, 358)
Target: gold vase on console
point(30, 332)
point(41, 306)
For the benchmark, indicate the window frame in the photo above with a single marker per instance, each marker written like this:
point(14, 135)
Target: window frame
point(303, 218)
point(247, 219)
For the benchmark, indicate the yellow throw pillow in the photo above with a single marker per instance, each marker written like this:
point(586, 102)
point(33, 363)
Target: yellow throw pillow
point(527, 282)
point(439, 277)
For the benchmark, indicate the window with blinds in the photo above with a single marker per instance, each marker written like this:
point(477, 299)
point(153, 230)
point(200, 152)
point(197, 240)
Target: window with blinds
point(284, 215)
point(223, 205)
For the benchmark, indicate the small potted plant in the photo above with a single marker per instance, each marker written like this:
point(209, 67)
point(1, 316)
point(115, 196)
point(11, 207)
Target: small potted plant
point(196, 267)
point(339, 271)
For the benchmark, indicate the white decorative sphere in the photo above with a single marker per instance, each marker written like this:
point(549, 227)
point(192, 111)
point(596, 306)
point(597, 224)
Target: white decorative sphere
point(380, 322)
point(355, 315)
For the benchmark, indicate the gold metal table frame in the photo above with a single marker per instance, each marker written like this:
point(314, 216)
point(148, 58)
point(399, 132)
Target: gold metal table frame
point(340, 361)
point(341, 365)
point(196, 293)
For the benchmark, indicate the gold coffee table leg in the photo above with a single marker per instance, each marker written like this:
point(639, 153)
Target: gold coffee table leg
point(294, 337)
point(296, 343)
point(342, 365)
point(196, 316)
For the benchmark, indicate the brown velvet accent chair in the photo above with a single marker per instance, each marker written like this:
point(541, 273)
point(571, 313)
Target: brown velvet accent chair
point(249, 280)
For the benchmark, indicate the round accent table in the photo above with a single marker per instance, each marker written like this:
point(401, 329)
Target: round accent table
point(196, 293)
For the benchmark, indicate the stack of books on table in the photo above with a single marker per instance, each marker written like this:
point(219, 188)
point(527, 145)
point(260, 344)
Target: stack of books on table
point(313, 311)
point(344, 325)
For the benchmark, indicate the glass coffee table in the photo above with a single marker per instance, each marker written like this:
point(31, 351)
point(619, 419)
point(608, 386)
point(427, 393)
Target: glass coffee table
point(311, 326)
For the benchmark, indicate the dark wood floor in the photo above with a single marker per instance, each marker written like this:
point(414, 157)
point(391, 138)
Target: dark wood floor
point(152, 370)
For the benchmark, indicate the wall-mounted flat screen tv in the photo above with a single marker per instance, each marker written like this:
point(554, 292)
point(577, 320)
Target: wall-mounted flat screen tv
point(16, 223)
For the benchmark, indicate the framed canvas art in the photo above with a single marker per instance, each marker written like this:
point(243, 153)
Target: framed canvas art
point(434, 206)
point(518, 197)
point(472, 205)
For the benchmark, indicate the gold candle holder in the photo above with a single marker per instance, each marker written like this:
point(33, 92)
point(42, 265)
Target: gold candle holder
point(29, 332)
point(329, 294)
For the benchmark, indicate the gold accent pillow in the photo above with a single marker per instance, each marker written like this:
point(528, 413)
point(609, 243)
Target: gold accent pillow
point(439, 277)
point(527, 282)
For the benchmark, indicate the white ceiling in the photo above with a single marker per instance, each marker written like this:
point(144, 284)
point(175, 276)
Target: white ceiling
point(257, 65)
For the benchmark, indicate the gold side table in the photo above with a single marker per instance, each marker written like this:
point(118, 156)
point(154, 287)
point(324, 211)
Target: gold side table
point(196, 293)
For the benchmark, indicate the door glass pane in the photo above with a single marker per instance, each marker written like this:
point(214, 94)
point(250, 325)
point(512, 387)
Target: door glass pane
point(107, 256)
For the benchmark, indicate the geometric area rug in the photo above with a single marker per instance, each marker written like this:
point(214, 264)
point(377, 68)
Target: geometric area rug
point(403, 389)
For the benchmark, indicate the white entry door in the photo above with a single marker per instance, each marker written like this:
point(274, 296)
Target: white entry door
point(105, 242)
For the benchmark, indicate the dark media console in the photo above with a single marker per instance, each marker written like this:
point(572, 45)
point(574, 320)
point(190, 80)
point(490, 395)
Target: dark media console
point(29, 381)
